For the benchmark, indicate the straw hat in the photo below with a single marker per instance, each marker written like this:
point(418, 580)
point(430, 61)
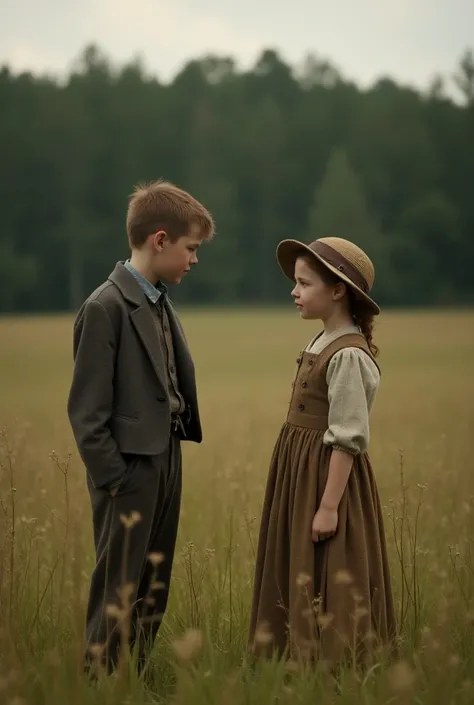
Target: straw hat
point(344, 259)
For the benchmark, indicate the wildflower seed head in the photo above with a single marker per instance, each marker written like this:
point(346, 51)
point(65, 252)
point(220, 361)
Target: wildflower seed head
point(156, 558)
point(324, 620)
point(303, 579)
point(114, 611)
point(263, 634)
point(401, 677)
point(187, 648)
point(96, 650)
point(158, 585)
point(130, 520)
point(343, 577)
point(360, 612)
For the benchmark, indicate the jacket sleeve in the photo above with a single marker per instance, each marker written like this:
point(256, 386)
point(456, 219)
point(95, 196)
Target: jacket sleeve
point(90, 401)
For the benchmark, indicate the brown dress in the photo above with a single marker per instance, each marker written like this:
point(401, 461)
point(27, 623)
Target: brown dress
point(331, 599)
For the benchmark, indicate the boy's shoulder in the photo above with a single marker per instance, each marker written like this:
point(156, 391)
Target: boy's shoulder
point(108, 296)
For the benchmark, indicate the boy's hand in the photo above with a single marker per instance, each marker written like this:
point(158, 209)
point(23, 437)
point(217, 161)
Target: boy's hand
point(114, 491)
point(324, 524)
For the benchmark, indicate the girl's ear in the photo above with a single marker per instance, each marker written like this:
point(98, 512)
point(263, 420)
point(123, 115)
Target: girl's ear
point(340, 290)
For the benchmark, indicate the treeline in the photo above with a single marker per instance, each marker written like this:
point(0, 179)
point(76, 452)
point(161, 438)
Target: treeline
point(274, 152)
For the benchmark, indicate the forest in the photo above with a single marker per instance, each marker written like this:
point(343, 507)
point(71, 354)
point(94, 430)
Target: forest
point(274, 151)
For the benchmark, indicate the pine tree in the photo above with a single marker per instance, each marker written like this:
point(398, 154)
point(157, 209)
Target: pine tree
point(339, 208)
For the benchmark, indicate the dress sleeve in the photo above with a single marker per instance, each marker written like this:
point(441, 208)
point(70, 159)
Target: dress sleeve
point(353, 380)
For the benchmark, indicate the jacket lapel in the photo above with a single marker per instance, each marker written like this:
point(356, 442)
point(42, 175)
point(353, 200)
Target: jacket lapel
point(184, 362)
point(141, 317)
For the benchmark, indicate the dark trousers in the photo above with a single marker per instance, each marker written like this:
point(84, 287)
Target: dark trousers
point(135, 536)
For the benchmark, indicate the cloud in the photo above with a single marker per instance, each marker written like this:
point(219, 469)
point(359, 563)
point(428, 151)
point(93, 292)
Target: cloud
point(163, 31)
point(408, 39)
point(23, 56)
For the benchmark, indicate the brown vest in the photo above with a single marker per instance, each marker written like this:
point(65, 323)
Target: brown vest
point(163, 329)
point(309, 405)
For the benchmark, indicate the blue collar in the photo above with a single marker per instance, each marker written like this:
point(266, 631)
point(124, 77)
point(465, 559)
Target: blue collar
point(152, 292)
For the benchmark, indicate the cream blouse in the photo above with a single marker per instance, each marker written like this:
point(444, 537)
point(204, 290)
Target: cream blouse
point(353, 379)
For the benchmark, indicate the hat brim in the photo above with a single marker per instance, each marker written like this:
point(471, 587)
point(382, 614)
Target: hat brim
point(288, 252)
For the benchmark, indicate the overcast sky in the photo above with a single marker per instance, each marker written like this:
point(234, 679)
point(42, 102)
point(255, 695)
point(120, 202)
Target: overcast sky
point(409, 40)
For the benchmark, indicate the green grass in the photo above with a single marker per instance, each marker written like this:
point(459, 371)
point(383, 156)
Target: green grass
point(421, 449)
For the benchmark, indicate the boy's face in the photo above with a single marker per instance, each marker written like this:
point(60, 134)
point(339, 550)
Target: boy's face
point(174, 259)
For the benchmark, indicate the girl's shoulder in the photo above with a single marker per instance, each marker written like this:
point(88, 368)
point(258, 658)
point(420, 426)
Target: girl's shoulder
point(349, 340)
point(354, 359)
point(349, 352)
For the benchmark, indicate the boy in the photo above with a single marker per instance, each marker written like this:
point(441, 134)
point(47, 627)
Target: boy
point(132, 399)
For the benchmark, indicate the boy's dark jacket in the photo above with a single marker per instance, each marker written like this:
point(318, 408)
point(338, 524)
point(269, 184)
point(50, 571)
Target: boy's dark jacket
point(118, 401)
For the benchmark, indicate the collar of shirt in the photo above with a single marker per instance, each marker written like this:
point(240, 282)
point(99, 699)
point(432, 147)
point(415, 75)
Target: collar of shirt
point(154, 293)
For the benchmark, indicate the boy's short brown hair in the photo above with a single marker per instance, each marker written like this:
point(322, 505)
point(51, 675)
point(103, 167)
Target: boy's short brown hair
point(160, 205)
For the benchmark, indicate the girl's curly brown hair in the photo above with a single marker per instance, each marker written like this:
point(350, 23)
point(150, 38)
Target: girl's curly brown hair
point(364, 319)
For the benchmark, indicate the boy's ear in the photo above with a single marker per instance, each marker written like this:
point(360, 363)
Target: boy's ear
point(159, 239)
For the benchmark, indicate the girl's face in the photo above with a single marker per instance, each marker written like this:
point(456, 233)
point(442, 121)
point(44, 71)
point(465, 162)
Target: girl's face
point(314, 298)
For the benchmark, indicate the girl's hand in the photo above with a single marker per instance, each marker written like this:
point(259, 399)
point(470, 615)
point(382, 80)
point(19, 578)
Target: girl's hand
point(324, 524)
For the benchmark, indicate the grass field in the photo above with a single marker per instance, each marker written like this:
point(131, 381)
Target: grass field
point(422, 450)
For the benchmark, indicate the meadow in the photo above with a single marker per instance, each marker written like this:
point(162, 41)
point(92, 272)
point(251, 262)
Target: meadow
point(422, 451)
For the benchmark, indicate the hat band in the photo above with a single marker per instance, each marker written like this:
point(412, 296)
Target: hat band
point(331, 256)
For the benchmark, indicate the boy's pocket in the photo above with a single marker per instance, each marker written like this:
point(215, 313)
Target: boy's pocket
point(131, 461)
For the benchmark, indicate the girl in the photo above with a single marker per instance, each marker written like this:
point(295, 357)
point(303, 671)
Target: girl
point(322, 585)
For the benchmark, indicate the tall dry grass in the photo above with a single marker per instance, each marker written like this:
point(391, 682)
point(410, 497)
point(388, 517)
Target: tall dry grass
point(422, 452)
